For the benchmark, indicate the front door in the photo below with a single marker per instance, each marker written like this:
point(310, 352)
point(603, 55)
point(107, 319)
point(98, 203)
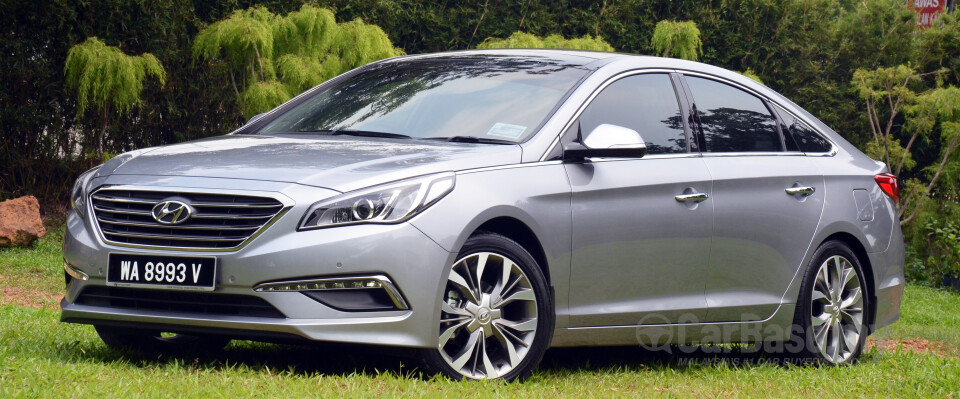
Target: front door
point(641, 227)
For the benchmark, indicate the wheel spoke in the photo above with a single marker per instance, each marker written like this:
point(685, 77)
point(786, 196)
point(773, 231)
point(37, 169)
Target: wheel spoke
point(823, 281)
point(448, 333)
point(491, 370)
point(854, 299)
point(854, 317)
point(464, 286)
point(506, 340)
point(821, 336)
point(850, 339)
point(444, 306)
point(505, 329)
point(819, 320)
point(835, 333)
point(481, 265)
point(522, 294)
point(819, 295)
point(848, 274)
point(502, 285)
point(468, 351)
point(835, 287)
point(521, 326)
point(474, 291)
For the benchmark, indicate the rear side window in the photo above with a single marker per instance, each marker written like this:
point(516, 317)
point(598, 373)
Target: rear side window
point(646, 103)
point(807, 139)
point(732, 119)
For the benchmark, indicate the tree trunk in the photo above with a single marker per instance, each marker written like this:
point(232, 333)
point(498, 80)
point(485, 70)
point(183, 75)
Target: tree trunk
point(943, 162)
point(103, 130)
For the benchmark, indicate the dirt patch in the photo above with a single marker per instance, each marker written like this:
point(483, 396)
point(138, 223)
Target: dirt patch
point(911, 345)
point(30, 298)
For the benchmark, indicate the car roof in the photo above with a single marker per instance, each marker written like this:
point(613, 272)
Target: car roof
point(575, 57)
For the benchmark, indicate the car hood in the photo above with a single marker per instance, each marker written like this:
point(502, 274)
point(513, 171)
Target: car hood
point(340, 163)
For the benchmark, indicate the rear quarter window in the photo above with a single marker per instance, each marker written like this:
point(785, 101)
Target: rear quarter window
point(804, 138)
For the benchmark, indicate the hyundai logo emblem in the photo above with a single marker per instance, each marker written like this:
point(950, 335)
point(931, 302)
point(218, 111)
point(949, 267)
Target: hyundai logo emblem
point(172, 212)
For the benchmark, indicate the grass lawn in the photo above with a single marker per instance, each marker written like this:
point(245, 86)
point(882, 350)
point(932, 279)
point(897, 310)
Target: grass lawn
point(41, 357)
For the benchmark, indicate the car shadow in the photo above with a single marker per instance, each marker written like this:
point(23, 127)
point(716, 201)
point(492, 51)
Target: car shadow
point(349, 359)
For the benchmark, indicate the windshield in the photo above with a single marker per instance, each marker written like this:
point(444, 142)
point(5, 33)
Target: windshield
point(477, 97)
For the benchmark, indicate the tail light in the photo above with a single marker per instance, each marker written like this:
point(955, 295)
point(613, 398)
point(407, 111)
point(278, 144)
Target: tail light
point(888, 183)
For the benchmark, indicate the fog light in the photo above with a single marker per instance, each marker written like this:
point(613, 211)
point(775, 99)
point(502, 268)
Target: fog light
point(74, 272)
point(347, 293)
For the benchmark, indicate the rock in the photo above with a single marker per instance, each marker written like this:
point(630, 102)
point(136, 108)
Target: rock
point(20, 222)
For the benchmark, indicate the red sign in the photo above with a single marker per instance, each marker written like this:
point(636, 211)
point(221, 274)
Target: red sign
point(929, 11)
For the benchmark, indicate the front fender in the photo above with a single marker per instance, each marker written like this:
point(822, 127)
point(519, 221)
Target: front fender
point(536, 194)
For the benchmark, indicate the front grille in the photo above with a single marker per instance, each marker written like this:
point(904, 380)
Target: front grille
point(178, 301)
point(221, 221)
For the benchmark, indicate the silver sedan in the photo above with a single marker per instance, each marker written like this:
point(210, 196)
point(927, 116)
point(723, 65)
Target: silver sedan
point(483, 206)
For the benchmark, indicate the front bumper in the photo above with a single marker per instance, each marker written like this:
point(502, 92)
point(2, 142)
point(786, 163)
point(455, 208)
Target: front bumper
point(413, 261)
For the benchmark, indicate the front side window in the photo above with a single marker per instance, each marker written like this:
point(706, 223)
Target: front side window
point(646, 103)
point(503, 98)
point(732, 119)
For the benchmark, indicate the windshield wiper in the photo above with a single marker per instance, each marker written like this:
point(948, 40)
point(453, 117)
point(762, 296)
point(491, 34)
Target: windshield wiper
point(361, 133)
point(472, 139)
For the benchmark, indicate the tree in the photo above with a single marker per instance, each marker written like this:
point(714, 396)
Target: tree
point(750, 73)
point(527, 40)
point(891, 91)
point(271, 58)
point(681, 38)
point(105, 78)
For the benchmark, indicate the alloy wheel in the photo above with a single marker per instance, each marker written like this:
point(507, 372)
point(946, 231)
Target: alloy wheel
point(837, 309)
point(488, 318)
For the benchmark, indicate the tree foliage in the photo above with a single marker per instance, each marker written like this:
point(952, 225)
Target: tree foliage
point(105, 78)
point(526, 40)
point(271, 58)
point(888, 91)
point(750, 73)
point(680, 38)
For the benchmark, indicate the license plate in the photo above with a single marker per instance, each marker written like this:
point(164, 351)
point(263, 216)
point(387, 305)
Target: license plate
point(173, 272)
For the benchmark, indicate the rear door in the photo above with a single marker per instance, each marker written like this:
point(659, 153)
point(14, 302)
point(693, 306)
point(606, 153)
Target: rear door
point(767, 201)
point(639, 254)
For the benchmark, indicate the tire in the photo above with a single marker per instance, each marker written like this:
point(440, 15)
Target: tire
point(152, 342)
point(498, 335)
point(831, 324)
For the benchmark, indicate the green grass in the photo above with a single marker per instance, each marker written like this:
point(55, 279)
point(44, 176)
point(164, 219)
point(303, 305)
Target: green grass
point(40, 357)
point(929, 314)
point(37, 267)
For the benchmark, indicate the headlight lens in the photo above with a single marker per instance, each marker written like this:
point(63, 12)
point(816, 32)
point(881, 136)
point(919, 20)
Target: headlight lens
point(389, 203)
point(79, 193)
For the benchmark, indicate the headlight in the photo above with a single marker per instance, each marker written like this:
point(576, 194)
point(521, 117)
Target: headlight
point(79, 194)
point(389, 203)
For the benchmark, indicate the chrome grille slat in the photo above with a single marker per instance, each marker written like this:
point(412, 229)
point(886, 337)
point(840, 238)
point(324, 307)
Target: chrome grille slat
point(156, 226)
point(124, 200)
point(227, 216)
point(222, 221)
point(123, 211)
point(226, 205)
point(168, 237)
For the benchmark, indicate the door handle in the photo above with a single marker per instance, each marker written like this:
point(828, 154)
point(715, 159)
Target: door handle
point(695, 197)
point(804, 191)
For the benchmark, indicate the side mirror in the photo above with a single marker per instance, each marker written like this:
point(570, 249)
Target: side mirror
point(607, 141)
point(255, 117)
